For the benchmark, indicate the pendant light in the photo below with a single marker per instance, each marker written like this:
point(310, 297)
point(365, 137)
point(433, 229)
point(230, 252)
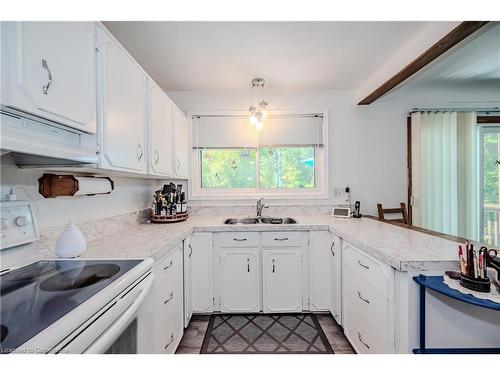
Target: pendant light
point(258, 109)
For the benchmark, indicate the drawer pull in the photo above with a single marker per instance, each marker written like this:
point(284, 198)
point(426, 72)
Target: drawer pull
point(363, 265)
point(239, 239)
point(274, 266)
point(281, 239)
point(169, 298)
point(169, 265)
point(170, 341)
point(331, 249)
point(361, 297)
point(190, 250)
point(362, 342)
point(248, 265)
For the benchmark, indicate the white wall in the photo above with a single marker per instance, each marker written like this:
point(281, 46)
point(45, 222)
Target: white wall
point(130, 195)
point(367, 145)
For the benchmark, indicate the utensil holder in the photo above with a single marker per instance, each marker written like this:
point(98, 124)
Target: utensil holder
point(476, 284)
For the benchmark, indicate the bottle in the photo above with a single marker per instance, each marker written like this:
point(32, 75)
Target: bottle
point(183, 203)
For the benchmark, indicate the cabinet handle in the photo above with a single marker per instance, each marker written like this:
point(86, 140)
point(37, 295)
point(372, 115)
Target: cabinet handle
point(361, 297)
point(157, 157)
point(170, 341)
point(281, 239)
point(331, 249)
point(274, 266)
point(178, 164)
point(239, 239)
point(190, 250)
point(169, 298)
point(363, 265)
point(139, 152)
point(362, 342)
point(46, 87)
point(169, 265)
point(248, 265)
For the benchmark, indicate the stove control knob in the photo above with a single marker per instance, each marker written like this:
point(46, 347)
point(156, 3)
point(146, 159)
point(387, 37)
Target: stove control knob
point(21, 221)
point(5, 224)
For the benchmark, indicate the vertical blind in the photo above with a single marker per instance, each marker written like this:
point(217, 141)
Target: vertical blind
point(445, 172)
point(237, 132)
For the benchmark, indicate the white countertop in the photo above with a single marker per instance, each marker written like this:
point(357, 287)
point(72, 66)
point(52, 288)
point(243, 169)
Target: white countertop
point(401, 248)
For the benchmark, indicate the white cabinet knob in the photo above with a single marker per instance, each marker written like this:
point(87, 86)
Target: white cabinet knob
point(21, 221)
point(5, 224)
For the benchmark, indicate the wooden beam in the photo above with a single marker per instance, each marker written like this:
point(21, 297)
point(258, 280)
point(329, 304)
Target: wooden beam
point(454, 37)
point(488, 119)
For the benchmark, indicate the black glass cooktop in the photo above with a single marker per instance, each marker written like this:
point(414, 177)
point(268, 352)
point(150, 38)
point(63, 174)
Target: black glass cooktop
point(35, 296)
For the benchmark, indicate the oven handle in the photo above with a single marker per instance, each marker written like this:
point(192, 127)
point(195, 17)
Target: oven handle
point(103, 342)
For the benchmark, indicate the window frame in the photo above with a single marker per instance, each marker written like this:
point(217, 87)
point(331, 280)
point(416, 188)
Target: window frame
point(320, 190)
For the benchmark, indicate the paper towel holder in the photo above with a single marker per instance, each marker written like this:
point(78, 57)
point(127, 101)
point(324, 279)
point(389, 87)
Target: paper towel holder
point(57, 185)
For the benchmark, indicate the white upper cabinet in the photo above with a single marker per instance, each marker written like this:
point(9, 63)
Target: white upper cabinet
point(181, 143)
point(49, 71)
point(122, 88)
point(161, 132)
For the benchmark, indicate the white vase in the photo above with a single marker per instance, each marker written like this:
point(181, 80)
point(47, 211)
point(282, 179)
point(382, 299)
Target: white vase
point(71, 243)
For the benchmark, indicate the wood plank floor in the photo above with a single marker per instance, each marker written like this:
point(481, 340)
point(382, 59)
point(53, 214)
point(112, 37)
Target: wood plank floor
point(195, 333)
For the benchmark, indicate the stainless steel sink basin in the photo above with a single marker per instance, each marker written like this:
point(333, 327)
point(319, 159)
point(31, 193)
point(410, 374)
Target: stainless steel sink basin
point(245, 220)
point(79, 277)
point(263, 220)
point(278, 220)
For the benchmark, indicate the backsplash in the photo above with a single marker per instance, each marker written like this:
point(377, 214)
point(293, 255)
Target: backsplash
point(273, 210)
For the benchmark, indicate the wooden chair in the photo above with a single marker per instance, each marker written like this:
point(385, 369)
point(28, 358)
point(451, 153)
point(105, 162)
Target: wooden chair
point(401, 210)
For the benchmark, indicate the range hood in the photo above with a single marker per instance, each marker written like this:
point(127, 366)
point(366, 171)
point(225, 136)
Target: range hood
point(38, 143)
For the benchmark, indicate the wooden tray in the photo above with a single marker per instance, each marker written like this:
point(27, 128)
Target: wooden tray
point(169, 218)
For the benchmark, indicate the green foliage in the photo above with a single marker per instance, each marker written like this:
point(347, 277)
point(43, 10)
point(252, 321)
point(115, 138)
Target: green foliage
point(283, 167)
point(491, 143)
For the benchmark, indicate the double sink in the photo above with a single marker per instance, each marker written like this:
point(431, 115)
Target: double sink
point(261, 220)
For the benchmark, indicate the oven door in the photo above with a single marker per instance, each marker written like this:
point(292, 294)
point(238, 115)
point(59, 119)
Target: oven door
point(114, 329)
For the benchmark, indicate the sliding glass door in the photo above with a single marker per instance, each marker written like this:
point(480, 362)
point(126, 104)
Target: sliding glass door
point(490, 184)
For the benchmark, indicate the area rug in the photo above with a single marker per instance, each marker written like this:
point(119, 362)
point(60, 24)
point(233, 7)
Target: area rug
point(265, 334)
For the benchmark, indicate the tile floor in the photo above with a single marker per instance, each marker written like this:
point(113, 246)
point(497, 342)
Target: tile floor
point(194, 334)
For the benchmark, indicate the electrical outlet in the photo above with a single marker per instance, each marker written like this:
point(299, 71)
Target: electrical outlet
point(339, 192)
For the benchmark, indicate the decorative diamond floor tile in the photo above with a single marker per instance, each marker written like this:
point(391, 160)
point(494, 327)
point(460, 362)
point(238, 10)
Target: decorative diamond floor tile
point(260, 333)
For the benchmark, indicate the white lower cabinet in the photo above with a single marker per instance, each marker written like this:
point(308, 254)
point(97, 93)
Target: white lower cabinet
point(282, 280)
point(240, 280)
point(335, 274)
point(320, 244)
point(368, 312)
point(188, 280)
point(202, 282)
point(168, 303)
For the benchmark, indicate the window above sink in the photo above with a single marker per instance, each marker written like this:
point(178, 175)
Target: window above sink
point(286, 160)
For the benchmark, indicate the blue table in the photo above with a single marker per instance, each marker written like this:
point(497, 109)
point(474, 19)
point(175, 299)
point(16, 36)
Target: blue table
point(437, 284)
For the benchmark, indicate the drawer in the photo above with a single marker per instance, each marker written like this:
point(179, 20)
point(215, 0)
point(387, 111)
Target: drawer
point(169, 270)
point(375, 273)
point(282, 238)
point(365, 333)
point(367, 315)
point(237, 239)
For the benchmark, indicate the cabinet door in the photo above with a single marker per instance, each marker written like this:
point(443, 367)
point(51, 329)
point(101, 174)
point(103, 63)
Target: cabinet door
point(51, 71)
point(161, 132)
point(319, 260)
point(240, 280)
point(335, 256)
point(282, 284)
point(122, 96)
point(188, 284)
point(181, 143)
point(201, 276)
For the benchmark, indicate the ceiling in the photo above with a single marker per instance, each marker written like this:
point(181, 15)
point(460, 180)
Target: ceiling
point(468, 72)
point(288, 55)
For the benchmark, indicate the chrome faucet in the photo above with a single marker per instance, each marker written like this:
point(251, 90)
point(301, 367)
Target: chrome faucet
point(260, 207)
